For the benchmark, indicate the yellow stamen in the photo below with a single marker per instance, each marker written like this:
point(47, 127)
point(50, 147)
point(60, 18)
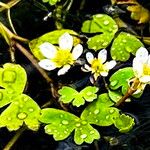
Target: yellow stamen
point(146, 69)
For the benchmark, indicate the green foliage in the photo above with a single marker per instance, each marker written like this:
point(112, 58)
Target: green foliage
point(51, 37)
point(22, 109)
point(101, 112)
point(100, 23)
point(61, 124)
point(69, 94)
point(124, 123)
point(120, 79)
point(51, 2)
point(123, 45)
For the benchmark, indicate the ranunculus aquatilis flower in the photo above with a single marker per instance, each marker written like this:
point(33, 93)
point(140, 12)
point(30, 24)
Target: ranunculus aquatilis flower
point(62, 56)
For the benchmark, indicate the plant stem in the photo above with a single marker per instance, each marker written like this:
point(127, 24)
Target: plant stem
point(130, 91)
point(14, 138)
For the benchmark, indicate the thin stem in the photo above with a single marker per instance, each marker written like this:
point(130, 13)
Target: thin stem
point(130, 91)
point(10, 21)
point(14, 138)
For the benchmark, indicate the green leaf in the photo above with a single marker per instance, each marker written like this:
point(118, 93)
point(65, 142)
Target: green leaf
point(13, 78)
point(115, 96)
point(100, 111)
point(123, 45)
point(124, 123)
point(51, 2)
point(99, 41)
point(69, 94)
point(51, 37)
point(100, 23)
point(61, 124)
point(22, 110)
point(121, 79)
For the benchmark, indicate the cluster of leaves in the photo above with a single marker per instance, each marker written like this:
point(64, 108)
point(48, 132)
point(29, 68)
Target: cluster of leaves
point(51, 2)
point(21, 108)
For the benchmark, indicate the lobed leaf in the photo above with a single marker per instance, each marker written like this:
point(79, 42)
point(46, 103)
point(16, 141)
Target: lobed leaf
point(121, 79)
point(51, 2)
point(22, 110)
point(124, 123)
point(123, 45)
point(68, 94)
point(51, 37)
point(13, 78)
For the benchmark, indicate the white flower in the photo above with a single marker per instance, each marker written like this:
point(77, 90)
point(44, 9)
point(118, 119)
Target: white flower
point(60, 57)
point(98, 67)
point(141, 68)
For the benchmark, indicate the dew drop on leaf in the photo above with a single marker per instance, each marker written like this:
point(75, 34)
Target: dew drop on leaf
point(22, 115)
point(84, 122)
point(92, 132)
point(78, 125)
point(113, 83)
point(111, 111)
point(107, 117)
point(65, 122)
point(31, 109)
point(96, 111)
point(83, 136)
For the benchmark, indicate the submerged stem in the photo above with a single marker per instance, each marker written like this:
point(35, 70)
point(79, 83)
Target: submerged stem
point(14, 138)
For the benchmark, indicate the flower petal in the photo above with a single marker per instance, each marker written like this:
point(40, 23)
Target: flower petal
point(63, 70)
point(77, 51)
point(104, 73)
point(89, 57)
point(48, 50)
point(86, 68)
point(145, 79)
point(102, 55)
point(137, 67)
point(142, 54)
point(47, 64)
point(95, 75)
point(66, 41)
point(111, 64)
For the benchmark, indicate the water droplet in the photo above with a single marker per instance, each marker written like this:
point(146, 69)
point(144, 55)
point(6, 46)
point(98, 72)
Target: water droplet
point(104, 44)
point(92, 132)
point(97, 41)
point(90, 113)
point(21, 106)
point(25, 99)
point(49, 130)
point(97, 120)
point(22, 115)
point(96, 111)
point(89, 93)
point(115, 26)
point(16, 103)
point(124, 41)
point(113, 83)
point(31, 109)
point(65, 132)
point(106, 22)
point(61, 116)
point(83, 136)
point(60, 124)
point(128, 34)
point(9, 118)
point(111, 111)
point(55, 131)
point(78, 125)
point(10, 92)
point(84, 122)
point(80, 129)
point(107, 117)
point(65, 122)
point(99, 16)
point(94, 47)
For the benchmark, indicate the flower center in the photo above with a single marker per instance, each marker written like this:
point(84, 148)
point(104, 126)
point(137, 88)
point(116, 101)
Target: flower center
point(146, 69)
point(63, 57)
point(97, 66)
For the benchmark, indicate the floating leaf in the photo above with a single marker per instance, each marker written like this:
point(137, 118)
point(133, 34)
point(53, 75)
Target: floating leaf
point(23, 110)
point(100, 111)
point(51, 2)
point(100, 23)
point(13, 78)
point(123, 45)
point(61, 124)
point(51, 37)
point(124, 123)
point(121, 79)
point(69, 94)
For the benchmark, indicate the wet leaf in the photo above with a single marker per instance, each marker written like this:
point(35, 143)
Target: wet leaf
point(61, 124)
point(51, 37)
point(100, 111)
point(22, 110)
point(120, 79)
point(51, 2)
point(69, 94)
point(101, 24)
point(13, 78)
point(124, 123)
point(123, 45)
